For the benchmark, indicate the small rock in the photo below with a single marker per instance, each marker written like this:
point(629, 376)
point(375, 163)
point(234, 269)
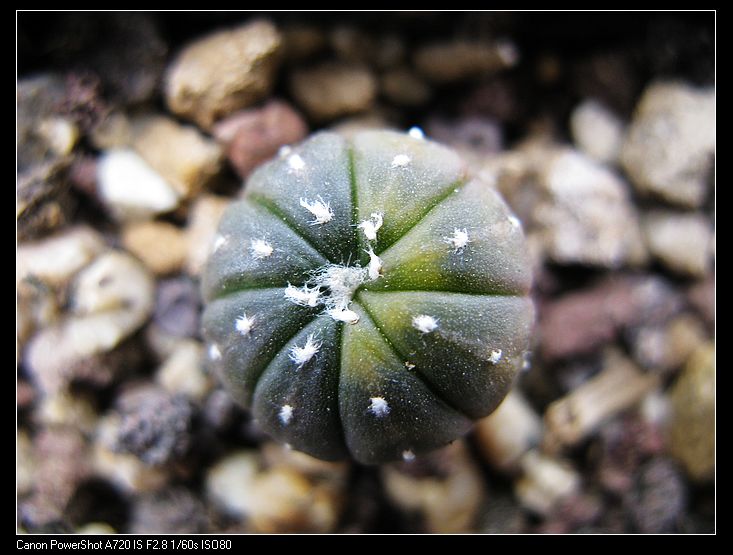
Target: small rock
point(509, 432)
point(664, 348)
point(692, 426)
point(224, 72)
point(180, 154)
point(56, 259)
point(545, 482)
point(67, 409)
point(25, 464)
point(351, 44)
point(37, 307)
point(95, 529)
point(253, 136)
point(502, 515)
point(154, 425)
point(203, 221)
point(670, 145)
point(173, 510)
point(445, 487)
point(112, 132)
point(597, 131)
point(130, 188)
point(161, 246)
point(404, 87)
point(681, 241)
point(183, 372)
point(177, 307)
point(702, 296)
point(447, 62)
point(301, 42)
point(659, 499)
point(110, 299)
point(333, 89)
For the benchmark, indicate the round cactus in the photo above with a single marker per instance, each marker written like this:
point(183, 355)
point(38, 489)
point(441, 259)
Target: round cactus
point(366, 298)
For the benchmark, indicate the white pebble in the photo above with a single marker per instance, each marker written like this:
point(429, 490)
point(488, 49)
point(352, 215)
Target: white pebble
point(320, 209)
point(285, 414)
point(459, 240)
point(378, 407)
point(308, 296)
point(244, 324)
point(401, 160)
point(260, 249)
point(301, 355)
point(424, 323)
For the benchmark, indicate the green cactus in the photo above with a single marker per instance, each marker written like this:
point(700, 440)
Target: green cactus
point(366, 299)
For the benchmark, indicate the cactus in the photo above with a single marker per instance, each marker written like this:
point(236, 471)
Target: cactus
point(365, 298)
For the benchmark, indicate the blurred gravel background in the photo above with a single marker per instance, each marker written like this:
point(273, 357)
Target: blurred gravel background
point(134, 130)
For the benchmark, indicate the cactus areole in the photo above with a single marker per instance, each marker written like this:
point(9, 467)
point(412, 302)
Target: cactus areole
point(366, 298)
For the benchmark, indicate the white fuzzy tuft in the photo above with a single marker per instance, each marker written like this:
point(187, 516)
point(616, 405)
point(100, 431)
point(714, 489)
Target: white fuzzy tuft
point(416, 133)
point(409, 365)
point(244, 324)
point(378, 407)
point(375, 265)
point(295, 162)
point(372, 225)
point(495, 356)
point(214, 352)
point(308, 296)
point(343, 315)
point(514, 221)
point(219, 242)
point(408, 455)
point(459, 240)
point(320, 209)
point(301, 355)
point(260, 249)
point(285, 414)
point(424, 323)
point(401, 160)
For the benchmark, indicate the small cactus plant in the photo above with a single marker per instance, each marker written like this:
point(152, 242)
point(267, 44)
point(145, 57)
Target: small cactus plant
point(366, 299)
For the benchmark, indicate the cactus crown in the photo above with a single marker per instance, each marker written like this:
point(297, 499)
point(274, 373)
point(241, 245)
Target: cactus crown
point(365, 298)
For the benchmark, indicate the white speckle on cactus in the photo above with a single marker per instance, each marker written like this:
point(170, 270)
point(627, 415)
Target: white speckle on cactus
point(301, 355)
point(514, 221)
point(495, 356)
point(214, 352)
point(375, 265)
point(409, 365)
point(416, 133)
point(295, 162)
point(219, 242)
point(408, 455)
point(343, 315)
point(320, 209)
point(459, 240)
point(285, 414)
point(284, 151)
point(424, 323)
point(401, 160)
point(244, 324)
point(307, 296)
point(378, 407)
point(260, 249)
point(372, 225)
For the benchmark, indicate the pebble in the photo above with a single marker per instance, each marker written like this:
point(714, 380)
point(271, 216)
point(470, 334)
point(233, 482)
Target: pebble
point(67, 409)
point(545, 482)
point(56, 259)
point(681, 241)
point(404, 87)
point(114, 131)
point(177, 306)
point(597, 131)
point(110, 299)
point(251, 137)
point(302, 41)
point(180, 154)
point(509, 432)
point(161, 246)
point(445, 487)
point(203, 221)
point(666, 347)
point(447, 62)
point(182, 372)
point(130, 188)
point(670, 145)
point(659, 497)
point(174, 510)
point(692, 426)
point(223, 72)
point(333, 89)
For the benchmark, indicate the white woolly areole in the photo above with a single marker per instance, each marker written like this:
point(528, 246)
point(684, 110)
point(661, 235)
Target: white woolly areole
point(424, 323)
point(378, 407)
point(343, 315)
point(372, 225)
point(244, 324)
point(295, 162)
point(408, 455)
point(320, 209)
point(214, 352)
point(401, 160)
point(495, 356)
point(301, 355)
point(375, 265)
point(459, 240)
point(260, 249)
point(285, 414)
point(307, 296)
point(416, 133)
point(219, 242)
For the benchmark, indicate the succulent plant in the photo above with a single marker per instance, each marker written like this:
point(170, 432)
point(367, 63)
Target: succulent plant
point(365, 298)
